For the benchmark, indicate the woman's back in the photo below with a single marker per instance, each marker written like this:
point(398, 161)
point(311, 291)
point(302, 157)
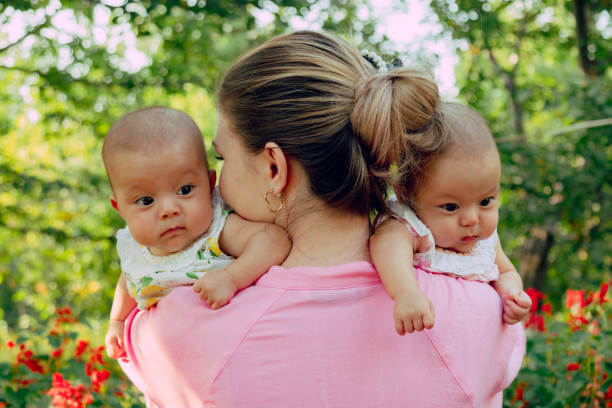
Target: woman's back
point(309, 132)
point(316, 337)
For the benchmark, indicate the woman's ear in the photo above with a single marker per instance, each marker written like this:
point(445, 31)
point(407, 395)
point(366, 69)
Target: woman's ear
point(277, 166)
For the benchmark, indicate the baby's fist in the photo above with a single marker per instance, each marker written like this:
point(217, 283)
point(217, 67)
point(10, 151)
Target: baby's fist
point(413, 312)
point(516, 307)
point(216, 288)
point(114, 339)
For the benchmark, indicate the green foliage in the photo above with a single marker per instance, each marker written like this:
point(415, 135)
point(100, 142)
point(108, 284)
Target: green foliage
point(57, 364)
point(569, 354)
point(80, 65)
point(77, 67)
point(521, 69)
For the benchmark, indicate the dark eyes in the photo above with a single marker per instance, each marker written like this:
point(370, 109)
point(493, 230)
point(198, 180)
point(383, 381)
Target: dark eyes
point(486, 202)
point(185, 190)
point(145, 201)
point(449, 207)
point(218, 157)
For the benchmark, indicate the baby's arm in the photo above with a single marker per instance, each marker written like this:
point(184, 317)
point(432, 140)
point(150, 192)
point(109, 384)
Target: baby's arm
point(123, 304)
point(256, 247)
point(510, 288)
point(391, 249)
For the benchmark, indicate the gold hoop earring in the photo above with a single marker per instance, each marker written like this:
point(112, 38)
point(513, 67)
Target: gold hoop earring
point(280, 198)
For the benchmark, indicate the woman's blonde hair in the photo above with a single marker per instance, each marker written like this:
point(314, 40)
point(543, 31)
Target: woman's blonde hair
point(327, 107)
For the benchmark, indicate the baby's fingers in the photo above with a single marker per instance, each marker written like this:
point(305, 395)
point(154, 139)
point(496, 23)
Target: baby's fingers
point(509, 320)
point(399, 326)
point(515, 309)
point(197, 287)
point(429, 318)
point(408, 326)
point(523, 300)
point(115, 350)
point(417, 323)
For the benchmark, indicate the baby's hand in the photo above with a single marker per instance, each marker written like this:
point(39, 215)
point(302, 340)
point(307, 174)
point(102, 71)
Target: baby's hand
point(413, 312)
point(216, 288)
point(115, 347)
point(516, 307)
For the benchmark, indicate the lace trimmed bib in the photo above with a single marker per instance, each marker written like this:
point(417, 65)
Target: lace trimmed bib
point(150, 277)
point(478, 264)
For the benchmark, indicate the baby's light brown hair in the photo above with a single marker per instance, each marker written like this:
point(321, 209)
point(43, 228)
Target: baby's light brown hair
point(452, 128)
point(151, 130)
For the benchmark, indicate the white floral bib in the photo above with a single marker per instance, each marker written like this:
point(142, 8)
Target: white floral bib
point(478, 264)
point(150, 277)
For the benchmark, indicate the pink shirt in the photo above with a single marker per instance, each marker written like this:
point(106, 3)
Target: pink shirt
point(324, 337)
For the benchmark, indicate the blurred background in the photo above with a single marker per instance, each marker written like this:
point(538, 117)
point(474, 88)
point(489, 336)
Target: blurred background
point(537, 70)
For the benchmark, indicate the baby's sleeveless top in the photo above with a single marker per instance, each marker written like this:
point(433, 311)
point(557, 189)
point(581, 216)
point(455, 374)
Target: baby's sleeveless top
point(151, 277)
point(478, 264)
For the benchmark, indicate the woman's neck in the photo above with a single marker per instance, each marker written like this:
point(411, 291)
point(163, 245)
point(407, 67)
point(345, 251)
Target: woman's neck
point(326, 236)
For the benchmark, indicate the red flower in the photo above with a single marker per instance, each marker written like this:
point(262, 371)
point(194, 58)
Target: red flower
point(573, 367)
point(519, 394)
point(81, 346)
point(63, 394)
point(575, 297)
point(602, 293)
point(609, 393)
point(99, 376)
point(576, 322)
point(546, 308)
point(537, 321)
point(9, 344)
point(57, 352)
point(25, 357)
point(535, 297)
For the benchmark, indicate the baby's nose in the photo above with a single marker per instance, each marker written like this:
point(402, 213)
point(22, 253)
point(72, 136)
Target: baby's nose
point(469, 217)
point(170, 208)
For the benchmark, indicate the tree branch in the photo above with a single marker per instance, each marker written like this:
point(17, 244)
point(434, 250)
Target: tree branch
point(33, 31)
point(519, 40)
point(511, 87)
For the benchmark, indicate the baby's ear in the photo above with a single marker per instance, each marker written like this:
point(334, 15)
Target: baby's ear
point(113, 202)
point(212, 177)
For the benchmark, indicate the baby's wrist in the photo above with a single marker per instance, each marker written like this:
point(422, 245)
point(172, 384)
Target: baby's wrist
point(231, 278)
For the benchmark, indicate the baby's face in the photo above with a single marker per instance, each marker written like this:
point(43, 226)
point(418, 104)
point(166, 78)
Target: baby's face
point(164, 198)
point(459, 200)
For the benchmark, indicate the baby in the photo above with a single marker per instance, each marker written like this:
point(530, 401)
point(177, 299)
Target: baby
point(178, 229)
point(448, 199)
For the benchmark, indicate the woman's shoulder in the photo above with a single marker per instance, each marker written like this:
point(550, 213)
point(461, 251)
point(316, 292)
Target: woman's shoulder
point(469, 332)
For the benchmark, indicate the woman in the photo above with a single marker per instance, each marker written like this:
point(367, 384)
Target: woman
point(306, 123)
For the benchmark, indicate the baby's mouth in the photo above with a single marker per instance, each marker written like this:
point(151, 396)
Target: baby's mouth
point(171, 230)
point(469, 238)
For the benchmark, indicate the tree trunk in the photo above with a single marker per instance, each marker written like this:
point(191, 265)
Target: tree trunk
point(582, 37)
point(533, 264)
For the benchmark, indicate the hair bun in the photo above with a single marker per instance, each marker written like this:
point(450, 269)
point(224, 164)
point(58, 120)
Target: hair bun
point(390, 108)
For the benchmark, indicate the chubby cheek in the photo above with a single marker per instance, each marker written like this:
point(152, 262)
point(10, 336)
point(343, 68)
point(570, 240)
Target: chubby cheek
point(202, 218)
point(143, 231)
point(444, 233)
point(490, 224)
